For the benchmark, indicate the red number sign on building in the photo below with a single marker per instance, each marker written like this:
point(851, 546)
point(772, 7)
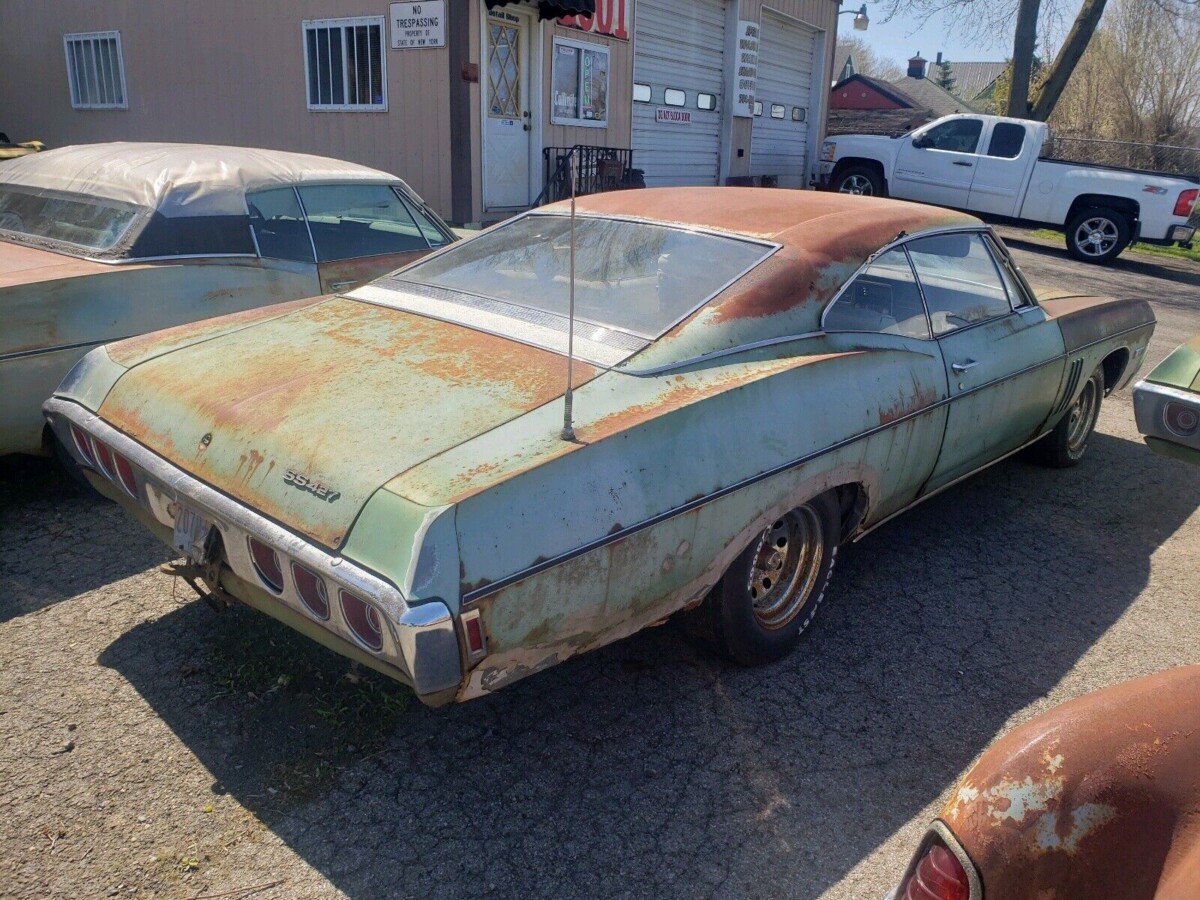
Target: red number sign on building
point(611, 18)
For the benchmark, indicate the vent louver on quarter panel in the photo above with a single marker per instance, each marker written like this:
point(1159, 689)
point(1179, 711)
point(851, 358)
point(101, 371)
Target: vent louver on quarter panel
point(1072, 384)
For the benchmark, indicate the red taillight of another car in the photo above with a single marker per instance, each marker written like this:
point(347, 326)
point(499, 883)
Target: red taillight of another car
point(1187, 199)
point(1180, 419)
point(104, 458)
point(938, 875)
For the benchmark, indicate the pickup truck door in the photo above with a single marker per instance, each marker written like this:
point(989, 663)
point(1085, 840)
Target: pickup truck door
point(1003, 356)
point(938, 165)
point(1002, 170)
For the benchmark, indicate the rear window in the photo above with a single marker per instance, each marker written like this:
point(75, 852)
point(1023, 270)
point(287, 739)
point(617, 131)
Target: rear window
point(93, 223)
point(637, 277)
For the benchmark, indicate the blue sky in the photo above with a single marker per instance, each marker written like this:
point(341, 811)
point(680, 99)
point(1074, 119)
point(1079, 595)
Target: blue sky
point(903, 37)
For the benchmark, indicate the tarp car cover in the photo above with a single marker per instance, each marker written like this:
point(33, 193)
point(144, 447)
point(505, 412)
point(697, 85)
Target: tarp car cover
point(177, 179)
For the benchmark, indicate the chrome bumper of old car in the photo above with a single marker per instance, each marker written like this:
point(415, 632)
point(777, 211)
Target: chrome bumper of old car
point(418, 644)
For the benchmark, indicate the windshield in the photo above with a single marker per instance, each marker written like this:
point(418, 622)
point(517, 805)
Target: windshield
point(633, 276)
point(93, 223)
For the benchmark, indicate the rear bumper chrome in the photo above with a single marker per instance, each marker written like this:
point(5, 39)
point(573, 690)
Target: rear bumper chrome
point(420, 644)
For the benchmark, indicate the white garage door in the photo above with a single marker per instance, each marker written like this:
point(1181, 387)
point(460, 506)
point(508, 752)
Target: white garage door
point(779, 140)
point(679, 52)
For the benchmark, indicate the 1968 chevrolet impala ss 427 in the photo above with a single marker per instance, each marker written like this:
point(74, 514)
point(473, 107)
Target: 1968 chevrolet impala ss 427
point(758, 377)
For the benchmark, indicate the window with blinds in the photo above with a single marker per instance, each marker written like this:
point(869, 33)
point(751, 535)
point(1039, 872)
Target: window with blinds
point(95, 70)
point(344, 63)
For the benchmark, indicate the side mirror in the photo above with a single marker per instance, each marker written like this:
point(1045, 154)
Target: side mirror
point(922, 142)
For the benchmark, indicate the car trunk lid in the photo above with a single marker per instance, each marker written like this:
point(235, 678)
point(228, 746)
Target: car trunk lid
point(304, 416)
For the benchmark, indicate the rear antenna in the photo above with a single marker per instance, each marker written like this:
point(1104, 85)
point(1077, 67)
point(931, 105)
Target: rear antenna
point(568, 429)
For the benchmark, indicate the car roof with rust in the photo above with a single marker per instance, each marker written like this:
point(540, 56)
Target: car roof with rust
point(177, 179)
point(804, 218)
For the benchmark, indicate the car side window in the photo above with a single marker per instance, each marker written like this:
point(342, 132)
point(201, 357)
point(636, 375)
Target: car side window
point(432, 233)
point(1017, 295)
point(959, 135)
point(1007, 140)
point(959, 280)
point(884, 299)
point(354, 220)
point(278, 224)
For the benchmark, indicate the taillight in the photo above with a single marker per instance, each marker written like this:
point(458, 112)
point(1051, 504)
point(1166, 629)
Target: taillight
point(124, 472)
point(1180, 419)
point(363, 620)
point(938, 876)
point(1187, 199)
point(266, 564)
point(104, 457)
point(82, 445)
point(311, 590)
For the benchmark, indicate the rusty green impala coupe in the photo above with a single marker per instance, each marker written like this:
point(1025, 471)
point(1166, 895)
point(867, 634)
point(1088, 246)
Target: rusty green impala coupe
point(104, 241)
point(758, 376)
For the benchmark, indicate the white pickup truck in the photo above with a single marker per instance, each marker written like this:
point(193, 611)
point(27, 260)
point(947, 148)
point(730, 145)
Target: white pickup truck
point(991, 165)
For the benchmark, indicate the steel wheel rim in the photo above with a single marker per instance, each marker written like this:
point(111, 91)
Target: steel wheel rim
point(784, 568)
point(856, 184)
point(1096, 236)
point(1082, 417)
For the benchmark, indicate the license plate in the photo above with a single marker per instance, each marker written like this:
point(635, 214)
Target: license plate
point(191, 532)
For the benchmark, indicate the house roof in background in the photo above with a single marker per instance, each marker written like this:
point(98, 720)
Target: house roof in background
point(891, 91)
point(931, 95)
point(889, 122)
point(972, 78)
point(840, 61)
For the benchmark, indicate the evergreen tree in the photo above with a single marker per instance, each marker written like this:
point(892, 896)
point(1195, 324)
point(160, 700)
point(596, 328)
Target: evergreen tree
point(944, 79)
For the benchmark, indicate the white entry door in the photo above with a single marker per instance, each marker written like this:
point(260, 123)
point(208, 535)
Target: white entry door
point(507, 119)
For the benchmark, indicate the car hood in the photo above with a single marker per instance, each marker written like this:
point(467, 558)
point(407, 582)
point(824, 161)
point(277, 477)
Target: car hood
point(304, 416)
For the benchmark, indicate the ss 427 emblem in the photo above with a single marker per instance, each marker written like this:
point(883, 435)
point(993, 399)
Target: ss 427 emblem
point(295, 479)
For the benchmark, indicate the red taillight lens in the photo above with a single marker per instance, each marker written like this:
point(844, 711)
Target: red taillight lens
point(311, 590)
point(104, 457)
point(1180, 419)
point(363, 620)
point(82, 445)
point(125, 474)
point(938, 876)
point(266, 564)
point(1187, 199)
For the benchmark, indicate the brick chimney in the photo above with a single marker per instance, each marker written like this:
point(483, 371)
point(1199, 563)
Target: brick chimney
point(916, 66)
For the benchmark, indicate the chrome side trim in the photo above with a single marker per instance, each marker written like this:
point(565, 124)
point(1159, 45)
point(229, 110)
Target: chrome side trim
point(20, 354)
point(420, 641)
point(501, 583)
point(718, 354)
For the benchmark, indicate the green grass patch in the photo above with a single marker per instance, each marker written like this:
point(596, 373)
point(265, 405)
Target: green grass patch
point(1174, 250)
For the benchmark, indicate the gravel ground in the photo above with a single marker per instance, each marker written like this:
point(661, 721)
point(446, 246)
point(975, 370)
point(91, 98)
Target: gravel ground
point(150, 747)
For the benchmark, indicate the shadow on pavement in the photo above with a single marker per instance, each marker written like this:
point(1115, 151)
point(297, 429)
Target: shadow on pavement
point(42, 561)
point(1164, 267)
point(647, 768)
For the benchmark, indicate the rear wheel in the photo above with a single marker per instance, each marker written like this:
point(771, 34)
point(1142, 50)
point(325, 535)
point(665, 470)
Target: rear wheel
point(1097, 235)
point(858, 180)
point(1065, 445)
point(757, 611)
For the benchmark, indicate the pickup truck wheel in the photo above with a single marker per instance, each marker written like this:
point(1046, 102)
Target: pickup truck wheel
point(757, 611)
point(1065, 445)
point(1097, 235)
point(859, 180)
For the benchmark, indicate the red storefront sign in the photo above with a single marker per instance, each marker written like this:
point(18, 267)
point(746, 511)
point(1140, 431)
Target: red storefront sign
point(611, 18)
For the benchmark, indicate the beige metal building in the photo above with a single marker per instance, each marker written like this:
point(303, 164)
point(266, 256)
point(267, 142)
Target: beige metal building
point(464, 102)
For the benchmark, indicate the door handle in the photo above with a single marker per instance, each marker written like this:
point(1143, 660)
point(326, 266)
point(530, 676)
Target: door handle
point(961, 367)
point(963, 162)
point(338, 285)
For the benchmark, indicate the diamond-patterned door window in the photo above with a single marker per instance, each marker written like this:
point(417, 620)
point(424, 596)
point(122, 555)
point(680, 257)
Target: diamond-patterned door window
point(504, 72)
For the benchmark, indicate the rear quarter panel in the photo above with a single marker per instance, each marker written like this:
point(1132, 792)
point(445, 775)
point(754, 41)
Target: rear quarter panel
point(1055, 185)
point(644, 513)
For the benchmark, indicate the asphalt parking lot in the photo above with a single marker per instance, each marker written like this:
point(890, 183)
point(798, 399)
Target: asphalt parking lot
point(152, 747)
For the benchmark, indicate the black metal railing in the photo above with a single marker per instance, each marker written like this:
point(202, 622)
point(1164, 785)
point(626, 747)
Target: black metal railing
point(597, 169)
